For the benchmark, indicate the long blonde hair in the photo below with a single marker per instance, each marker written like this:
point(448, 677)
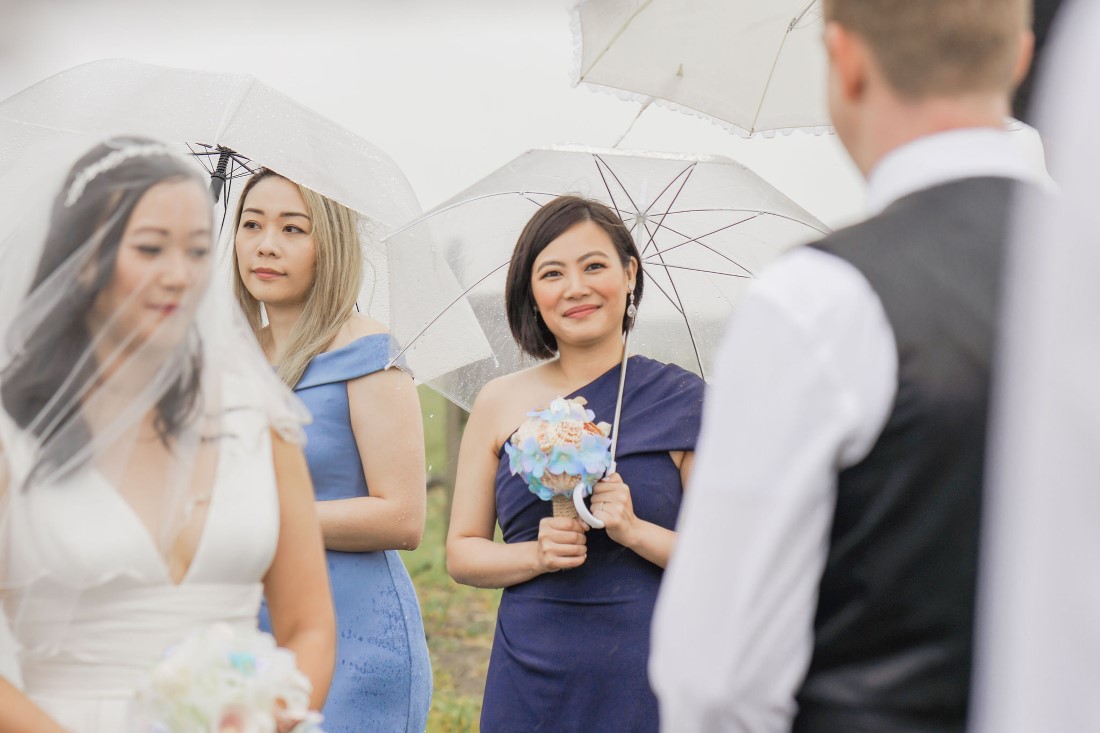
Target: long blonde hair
point(336, 280)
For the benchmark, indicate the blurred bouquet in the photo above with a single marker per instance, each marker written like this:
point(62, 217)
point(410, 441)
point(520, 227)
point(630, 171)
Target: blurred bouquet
point(557, 448)
point(221, 680)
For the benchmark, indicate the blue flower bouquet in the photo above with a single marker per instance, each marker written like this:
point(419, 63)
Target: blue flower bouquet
point(557, 448)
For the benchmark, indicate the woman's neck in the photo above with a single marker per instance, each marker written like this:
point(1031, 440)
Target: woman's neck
point(580, 365)
point(280, 321)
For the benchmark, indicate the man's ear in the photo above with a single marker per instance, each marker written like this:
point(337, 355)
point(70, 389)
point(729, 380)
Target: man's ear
point(1024, 57)
point(848, 58)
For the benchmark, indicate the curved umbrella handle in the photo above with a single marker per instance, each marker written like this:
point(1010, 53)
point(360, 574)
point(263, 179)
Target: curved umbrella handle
point(582, 510)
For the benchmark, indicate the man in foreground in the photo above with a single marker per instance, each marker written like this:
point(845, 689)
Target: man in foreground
point(843, 438)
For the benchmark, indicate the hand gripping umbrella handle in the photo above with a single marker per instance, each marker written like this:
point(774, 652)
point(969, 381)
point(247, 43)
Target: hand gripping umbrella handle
point(586, 516)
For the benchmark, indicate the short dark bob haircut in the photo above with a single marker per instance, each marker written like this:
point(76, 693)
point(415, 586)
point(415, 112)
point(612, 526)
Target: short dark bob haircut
point(550, 222)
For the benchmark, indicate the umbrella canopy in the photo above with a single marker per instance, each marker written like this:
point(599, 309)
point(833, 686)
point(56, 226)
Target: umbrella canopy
point(749, 65)
point(704, 226)
point(211, 113)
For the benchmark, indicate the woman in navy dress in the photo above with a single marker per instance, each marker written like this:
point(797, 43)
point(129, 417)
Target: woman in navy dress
point(298, 255)
point(571, 647)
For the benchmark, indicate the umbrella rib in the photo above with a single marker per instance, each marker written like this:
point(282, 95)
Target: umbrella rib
point(607, 187)
point(671, 301)
point(653, 234)
point(617, 180)
point(201, 156)
point(767, 85)
point(713, 210)
point(699, 269)
point(757, 211)
point(698, 240)
point(727, 258)
point(775, 63)
point(665, 190)
point(443, 312)
point(683, 311)
point(528, 198)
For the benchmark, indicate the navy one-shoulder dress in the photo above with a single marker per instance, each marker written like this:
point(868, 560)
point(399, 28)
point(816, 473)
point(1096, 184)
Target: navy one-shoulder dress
point(383, 678)
point(571, 648)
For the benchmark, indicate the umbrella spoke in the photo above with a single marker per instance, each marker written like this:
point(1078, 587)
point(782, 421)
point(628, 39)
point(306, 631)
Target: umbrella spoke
point(683, 311)
point(536, 203)
point(600, 161)
point(671, 183)
point(201, 155)
point(776, 214)
point(698, 269)
point(775, 62)
point(239, 163)
point(717, 210)
point(671, 300)
point(607, 187)
point(698, 240)
point(653, 234)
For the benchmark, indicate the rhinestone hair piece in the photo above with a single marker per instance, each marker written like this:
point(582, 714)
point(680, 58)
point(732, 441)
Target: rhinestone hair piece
point(109, 161)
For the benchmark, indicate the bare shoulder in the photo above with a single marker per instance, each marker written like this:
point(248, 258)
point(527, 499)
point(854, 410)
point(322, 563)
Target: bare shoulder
point(356, 327)
point(505, 389)
point(504, 402)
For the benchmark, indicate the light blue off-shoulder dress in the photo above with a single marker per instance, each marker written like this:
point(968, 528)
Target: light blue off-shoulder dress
point(383, 679)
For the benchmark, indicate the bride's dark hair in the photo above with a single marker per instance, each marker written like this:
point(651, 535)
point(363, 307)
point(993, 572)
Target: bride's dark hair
point(41, 386)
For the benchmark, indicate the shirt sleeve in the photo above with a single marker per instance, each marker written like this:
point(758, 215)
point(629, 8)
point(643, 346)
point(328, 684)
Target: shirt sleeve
point(803, 384)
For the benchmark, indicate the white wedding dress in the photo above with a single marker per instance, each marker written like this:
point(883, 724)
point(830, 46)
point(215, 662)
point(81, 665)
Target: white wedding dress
point(83, 654)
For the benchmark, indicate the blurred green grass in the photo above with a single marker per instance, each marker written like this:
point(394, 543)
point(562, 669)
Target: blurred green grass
point(458, 620)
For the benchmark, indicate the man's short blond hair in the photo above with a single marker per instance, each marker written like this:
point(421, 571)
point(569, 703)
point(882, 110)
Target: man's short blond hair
point(939, 47)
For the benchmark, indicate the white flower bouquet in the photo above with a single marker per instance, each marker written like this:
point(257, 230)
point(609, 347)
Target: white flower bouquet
point(222, 680)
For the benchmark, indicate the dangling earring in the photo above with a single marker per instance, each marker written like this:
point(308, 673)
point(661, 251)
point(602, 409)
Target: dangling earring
point(631, 311)
point(535, 308)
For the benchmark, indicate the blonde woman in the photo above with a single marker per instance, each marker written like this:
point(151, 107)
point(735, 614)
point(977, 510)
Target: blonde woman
point(298, 259)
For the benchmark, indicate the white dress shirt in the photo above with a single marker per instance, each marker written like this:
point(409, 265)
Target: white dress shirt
point(804, 383)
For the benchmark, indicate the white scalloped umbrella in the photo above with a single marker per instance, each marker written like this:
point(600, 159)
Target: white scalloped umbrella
point(751, 65)
point(703, 224)
point(214, 113)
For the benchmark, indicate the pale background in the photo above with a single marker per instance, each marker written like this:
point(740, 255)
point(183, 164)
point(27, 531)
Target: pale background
point(451, 90)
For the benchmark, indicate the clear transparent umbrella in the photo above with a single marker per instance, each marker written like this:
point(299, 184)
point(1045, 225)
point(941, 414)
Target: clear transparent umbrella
point(233, 123)
point(703, 224)
point(751, 65)
point(230, 119)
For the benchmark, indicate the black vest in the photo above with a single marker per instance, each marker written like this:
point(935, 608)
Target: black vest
point(893, 630)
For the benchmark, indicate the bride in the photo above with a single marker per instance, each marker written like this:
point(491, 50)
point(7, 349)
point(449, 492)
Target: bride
point(151, 477)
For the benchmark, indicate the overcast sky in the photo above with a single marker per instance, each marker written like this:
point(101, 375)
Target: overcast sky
point(451, 89)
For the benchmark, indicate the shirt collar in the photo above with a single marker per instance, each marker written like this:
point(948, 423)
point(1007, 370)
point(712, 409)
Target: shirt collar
point(936, 159)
